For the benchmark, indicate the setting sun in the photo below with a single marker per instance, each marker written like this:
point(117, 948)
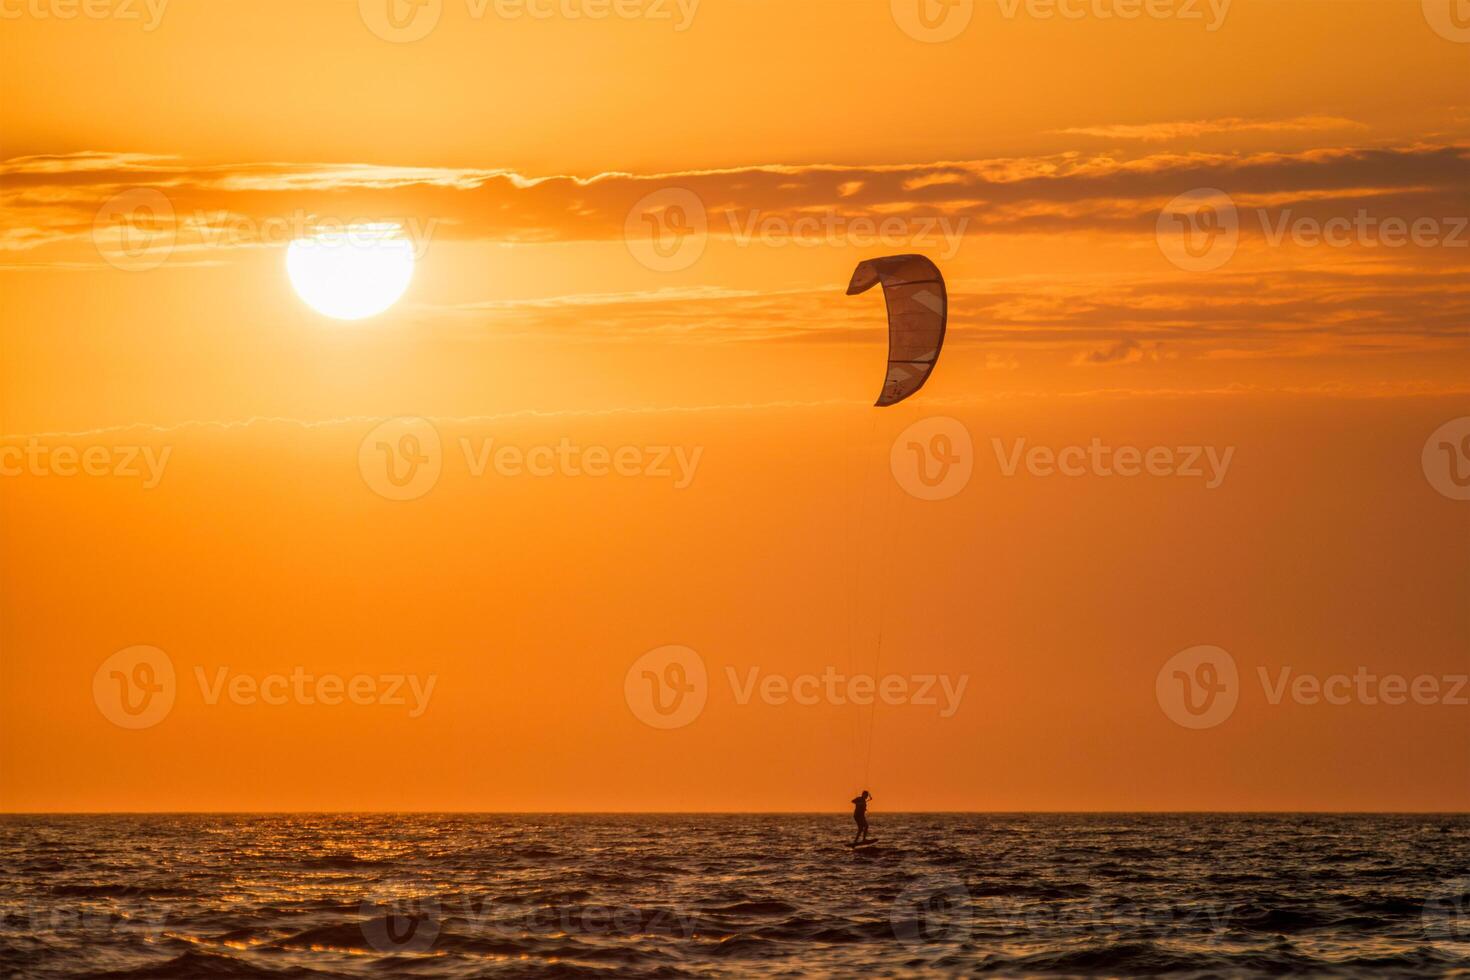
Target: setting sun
point(351, 274)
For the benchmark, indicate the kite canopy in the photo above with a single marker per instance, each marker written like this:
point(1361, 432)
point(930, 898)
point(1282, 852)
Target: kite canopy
point(917, 310)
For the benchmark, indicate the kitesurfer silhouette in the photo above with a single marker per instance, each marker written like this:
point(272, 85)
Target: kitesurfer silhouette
point(860, 816)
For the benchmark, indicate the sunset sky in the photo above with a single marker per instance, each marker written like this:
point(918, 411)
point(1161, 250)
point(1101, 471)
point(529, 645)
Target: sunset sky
point(1038, 160)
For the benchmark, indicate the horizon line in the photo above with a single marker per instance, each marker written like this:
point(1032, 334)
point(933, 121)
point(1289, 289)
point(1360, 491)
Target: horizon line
point(729, 813)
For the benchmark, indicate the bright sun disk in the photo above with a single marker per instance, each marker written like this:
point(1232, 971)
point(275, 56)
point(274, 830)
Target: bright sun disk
point(351, 274)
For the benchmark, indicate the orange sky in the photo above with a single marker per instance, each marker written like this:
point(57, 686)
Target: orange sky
point(1034, 158)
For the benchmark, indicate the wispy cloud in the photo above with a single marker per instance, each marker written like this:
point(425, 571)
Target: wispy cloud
point(1097, 320)
point(1159, 132)
point(51, 200)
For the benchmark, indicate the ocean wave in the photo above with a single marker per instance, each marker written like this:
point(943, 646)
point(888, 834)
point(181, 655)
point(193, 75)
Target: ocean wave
point(121, 891)
point(196, 964)
point(299, 896)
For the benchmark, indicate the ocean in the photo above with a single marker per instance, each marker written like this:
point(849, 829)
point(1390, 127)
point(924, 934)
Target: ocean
point(471, 895)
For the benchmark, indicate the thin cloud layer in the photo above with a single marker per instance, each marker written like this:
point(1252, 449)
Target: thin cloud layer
point(1191, 129)
point(48, 200)
point(1368, 306)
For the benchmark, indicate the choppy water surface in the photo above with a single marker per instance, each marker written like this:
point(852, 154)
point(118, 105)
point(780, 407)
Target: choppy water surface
point(671, 896)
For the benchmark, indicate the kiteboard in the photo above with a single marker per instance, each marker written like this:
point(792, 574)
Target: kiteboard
point(863, 843)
